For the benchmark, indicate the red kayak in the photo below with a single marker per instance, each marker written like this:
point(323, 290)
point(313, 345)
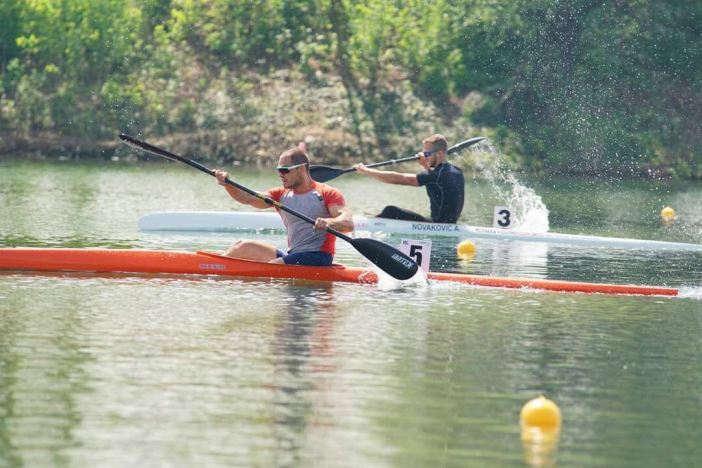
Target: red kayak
point(206, 263)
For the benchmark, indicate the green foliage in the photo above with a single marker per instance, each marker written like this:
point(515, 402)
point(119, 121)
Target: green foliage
point(9, 32)
point(581, 85)
point(592, 85)
point(248, 33)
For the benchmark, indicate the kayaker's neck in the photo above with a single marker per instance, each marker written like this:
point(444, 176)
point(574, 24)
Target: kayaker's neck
point(305, 185)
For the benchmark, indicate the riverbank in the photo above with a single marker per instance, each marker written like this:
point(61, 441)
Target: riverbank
point(254, 120)
point(263, 117)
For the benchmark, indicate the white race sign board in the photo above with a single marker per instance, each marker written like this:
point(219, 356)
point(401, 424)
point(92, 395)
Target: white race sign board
point(417, 250)
point(502, 218)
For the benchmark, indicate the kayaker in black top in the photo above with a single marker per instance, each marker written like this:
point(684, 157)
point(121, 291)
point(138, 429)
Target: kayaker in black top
point(443, 181)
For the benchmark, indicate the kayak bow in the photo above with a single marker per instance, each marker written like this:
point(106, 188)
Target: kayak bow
point(206, 263)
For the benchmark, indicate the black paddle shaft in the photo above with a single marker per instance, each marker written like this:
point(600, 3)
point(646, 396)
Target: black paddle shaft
point(168, 155)
point(389, 259)
point(326, 173)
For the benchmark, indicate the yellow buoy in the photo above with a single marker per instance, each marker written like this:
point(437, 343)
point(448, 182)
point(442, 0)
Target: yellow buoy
point(667, 214)
point(465, 249)
point(540, 412)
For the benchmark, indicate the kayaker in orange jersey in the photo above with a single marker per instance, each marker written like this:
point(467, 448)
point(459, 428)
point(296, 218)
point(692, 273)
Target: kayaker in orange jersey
point(307, 244)
point(443, 181)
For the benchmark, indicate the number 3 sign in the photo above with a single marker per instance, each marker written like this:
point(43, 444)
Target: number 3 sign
point(502, 218)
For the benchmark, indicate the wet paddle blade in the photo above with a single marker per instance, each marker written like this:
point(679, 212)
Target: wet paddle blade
point(389, 259)
point(325, 173)
point(464, 144)
point(144, 146)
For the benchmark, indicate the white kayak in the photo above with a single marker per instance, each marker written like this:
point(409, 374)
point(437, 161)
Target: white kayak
point(227, 221)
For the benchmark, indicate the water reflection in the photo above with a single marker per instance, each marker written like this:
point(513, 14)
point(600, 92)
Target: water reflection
point(491, 257)
point(540, 446)
point(41, 379)
point(8, 366)
point(173, 371)
point(519, 259)
point(303, 352)
point(667, 268)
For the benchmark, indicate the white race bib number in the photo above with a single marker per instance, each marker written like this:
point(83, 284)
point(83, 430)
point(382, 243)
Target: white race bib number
point(502, 219)
point(417, 250)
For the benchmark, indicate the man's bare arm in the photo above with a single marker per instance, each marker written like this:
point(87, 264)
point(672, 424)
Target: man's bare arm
point(389, 177)
point(239, 195)
point(341, 219)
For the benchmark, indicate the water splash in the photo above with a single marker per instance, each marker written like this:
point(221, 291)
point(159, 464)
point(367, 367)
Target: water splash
point(529, 213)
point(388, 283)
point(690, 292)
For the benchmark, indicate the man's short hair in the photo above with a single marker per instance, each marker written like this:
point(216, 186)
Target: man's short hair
point(437, 141)
point(297, 156)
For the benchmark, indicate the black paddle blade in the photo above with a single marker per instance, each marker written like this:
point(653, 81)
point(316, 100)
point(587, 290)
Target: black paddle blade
point(144, 146)
point(325, 173)
point(389, 259)
point(465, 144)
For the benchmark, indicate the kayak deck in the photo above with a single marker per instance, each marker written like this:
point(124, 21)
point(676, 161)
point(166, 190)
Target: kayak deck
point(207, 263)
point(227, 221)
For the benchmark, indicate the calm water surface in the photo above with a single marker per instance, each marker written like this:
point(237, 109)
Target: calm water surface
point(115, 370)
